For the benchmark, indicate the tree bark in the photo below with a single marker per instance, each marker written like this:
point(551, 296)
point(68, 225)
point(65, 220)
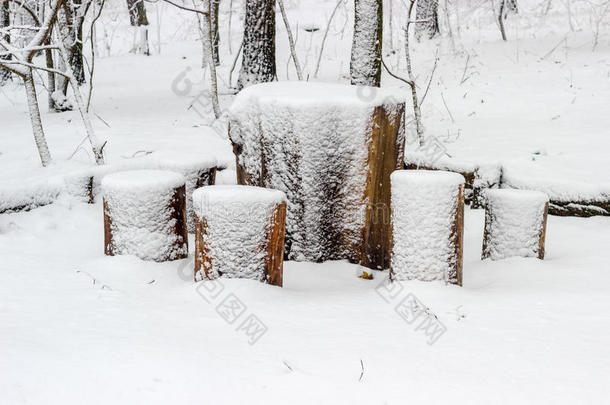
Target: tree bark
point(5, 21)
point(426, 10)
point(138, 18)
point(39, 137)
point(214, 6)
point(258, 60)
point(365, 64)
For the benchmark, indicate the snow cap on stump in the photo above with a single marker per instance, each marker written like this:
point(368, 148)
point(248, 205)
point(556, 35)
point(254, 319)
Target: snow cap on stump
point(144, 214)
point(239, 233)
point(515, 223)
point(427, 225)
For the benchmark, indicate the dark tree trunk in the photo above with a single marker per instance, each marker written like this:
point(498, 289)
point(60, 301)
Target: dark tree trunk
point(138, 18)
point(214, 6)
point(5, 21)
point(75, 18)
point(258, 61)
point(137, 13)
point(365, 64)
point(426, 10)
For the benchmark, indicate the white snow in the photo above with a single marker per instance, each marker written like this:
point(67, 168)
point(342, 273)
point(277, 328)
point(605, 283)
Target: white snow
point(237, 220)
point(139, 207)
point(311, 139)
point(424, 204)
point(79, 327)
point(514, 222)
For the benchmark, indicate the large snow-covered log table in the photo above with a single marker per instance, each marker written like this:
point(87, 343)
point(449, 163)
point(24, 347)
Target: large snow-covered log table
point(239, 233)
point(331, 148)
point(145, 215)
point(515, 223)
point(427, 225)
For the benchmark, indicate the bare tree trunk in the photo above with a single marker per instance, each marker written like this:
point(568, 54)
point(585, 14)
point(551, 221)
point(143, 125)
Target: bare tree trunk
point(258, 61)
point(214, 6)
point(39, 137)
point(96, 147)
point(138, 18)
point(5, 21)
point(71, 19)
point(426, 11)
point(501, 19)
point(293, 51)
point(209, 56)
point(365, 64)
point(51, 86)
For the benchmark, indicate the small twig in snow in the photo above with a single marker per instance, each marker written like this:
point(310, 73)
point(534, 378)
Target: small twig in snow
point(446, 107)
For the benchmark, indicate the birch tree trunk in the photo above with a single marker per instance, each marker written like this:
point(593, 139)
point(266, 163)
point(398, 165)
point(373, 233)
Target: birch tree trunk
point(426, 10)
point(39, 137)
point(258, 60)
point(365, 64)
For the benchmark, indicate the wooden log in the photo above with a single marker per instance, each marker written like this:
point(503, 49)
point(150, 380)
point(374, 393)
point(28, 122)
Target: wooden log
point(198, 171)
point(467, 170)
point(487, 176)
point(145, 215)
point(427, 226)
point(239, 233)
point(331, 149)
point(515, 224)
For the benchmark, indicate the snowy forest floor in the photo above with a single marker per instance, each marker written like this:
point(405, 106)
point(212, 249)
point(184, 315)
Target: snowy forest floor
point(76, 326)
point(519, 331)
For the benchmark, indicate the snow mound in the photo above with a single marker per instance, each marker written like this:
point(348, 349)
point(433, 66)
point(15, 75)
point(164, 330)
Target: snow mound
point(23, 196)
point(513, 223)
point(142, 219)
point(424, 207)
point(236, 221)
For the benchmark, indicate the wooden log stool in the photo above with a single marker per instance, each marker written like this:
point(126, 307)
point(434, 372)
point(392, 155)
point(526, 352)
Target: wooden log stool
point(515, 223)
point(427, 225)
point(144, 215)
point(198, 170)
point(331, 148)
point(239, 233)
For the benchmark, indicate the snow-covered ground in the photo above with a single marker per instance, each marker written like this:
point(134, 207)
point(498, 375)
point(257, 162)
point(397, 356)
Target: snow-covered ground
point(79, 327)
point(519, 331)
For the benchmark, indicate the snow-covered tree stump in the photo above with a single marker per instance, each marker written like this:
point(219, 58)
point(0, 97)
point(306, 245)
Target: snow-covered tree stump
point(515, 223)
point(145, 215)
point(331, 148)
point(239, 233)
point(198, 171)
point(427, 225)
